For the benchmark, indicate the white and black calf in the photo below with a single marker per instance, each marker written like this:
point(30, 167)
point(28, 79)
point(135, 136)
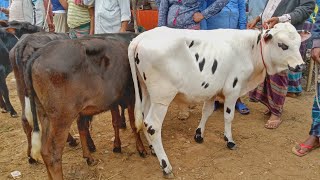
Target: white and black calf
point(198, 66)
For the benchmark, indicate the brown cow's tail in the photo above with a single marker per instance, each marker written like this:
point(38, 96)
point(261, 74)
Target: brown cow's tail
point(138, 109)
point(32, 112)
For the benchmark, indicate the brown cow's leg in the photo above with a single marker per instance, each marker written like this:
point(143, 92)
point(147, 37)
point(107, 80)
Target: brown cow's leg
point(83, 131)
point(139, 145)
point(91, 146)
point(123, 118)
point(54, 136)
point(28, 130)
point(115, 122)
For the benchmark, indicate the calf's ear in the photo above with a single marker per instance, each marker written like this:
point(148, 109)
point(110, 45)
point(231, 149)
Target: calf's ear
point(11, 30)
point(267, 37)
point(304, 35)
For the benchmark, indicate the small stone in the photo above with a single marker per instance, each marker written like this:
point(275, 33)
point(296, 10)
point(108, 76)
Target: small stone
point(15, 174)
point(112, 139)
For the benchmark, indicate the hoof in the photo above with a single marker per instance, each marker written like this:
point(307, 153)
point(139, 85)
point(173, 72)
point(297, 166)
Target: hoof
point(14, 115)
point(168, 175)
point(91, 162)
point(92, 148)
point(73, 143)
point(231, 145)
point(3, 110)
point(117, 149)
point(198, 138)
point(31, 160)
point(143, 154)
point(225, 138)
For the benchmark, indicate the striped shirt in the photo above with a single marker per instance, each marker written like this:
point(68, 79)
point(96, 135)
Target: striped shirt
point(77, 15)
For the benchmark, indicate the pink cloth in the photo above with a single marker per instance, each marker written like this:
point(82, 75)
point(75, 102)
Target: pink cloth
point(78, 2)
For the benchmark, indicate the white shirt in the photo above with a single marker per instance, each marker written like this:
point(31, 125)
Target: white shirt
point(270, 9)
point(109, 14)
point(21, 10)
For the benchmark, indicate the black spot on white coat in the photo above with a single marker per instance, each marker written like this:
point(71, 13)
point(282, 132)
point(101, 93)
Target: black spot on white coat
point(259, 38)
point(235, 82)
point(201, 64)
point(214, 66)
point(150, 130)
point(144, 76)
point(163, 163)
point(197, 56)
point(136, 59)
point(203, 83)
point(228, 110)
point(191, 44)
point(207, 85)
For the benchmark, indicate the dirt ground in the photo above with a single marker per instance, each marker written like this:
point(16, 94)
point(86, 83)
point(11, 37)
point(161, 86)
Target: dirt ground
point(261, 153)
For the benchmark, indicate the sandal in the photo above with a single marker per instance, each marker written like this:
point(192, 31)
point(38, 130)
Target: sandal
point(242, 108)
point(270, 122)
point(297, 150)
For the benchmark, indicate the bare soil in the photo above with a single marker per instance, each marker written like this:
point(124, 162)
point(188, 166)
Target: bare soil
point(261, 153)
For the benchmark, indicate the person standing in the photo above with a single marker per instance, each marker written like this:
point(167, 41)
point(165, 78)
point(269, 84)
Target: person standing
point(80, 18)
point(60, 16)
point(313, 141)
point(112, 16)
point(273, 90)
point(186, 14)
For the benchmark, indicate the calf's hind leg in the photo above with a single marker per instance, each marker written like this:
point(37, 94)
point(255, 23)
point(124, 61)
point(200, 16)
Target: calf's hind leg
point(153, 123)
point(54, 137)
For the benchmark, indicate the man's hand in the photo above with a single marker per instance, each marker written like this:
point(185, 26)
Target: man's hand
point(270, 22)
point(122, 30)
point(315, 54)
point(252, 24)
point(197, 17)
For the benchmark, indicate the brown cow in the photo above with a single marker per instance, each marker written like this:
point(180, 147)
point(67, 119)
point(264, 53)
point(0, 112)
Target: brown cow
point(67, 79)
point(18, 56)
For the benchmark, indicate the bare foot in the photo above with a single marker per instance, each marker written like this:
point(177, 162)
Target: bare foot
point(273, 122)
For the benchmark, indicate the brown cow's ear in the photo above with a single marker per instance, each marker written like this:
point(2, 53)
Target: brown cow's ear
point(11, 30)
point(4, 23)
point(267, 37)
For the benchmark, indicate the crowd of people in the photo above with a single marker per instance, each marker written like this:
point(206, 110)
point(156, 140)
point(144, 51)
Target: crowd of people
point(84, 17)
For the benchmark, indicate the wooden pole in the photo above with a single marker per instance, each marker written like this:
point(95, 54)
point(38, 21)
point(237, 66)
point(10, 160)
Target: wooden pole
point(134, 8)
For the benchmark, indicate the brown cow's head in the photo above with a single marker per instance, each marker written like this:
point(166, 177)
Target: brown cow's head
point(281, 48)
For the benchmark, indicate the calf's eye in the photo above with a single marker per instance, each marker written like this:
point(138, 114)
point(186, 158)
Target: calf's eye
point(283, 46)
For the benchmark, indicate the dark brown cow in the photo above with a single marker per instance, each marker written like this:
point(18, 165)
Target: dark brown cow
point(68, 79)
point(18, 56)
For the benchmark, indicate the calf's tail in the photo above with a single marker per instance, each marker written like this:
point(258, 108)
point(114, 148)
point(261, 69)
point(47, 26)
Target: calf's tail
point(31, 111)
point(137, 109)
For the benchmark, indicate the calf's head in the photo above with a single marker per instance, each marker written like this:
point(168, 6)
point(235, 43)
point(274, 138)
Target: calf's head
point(281, 48)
